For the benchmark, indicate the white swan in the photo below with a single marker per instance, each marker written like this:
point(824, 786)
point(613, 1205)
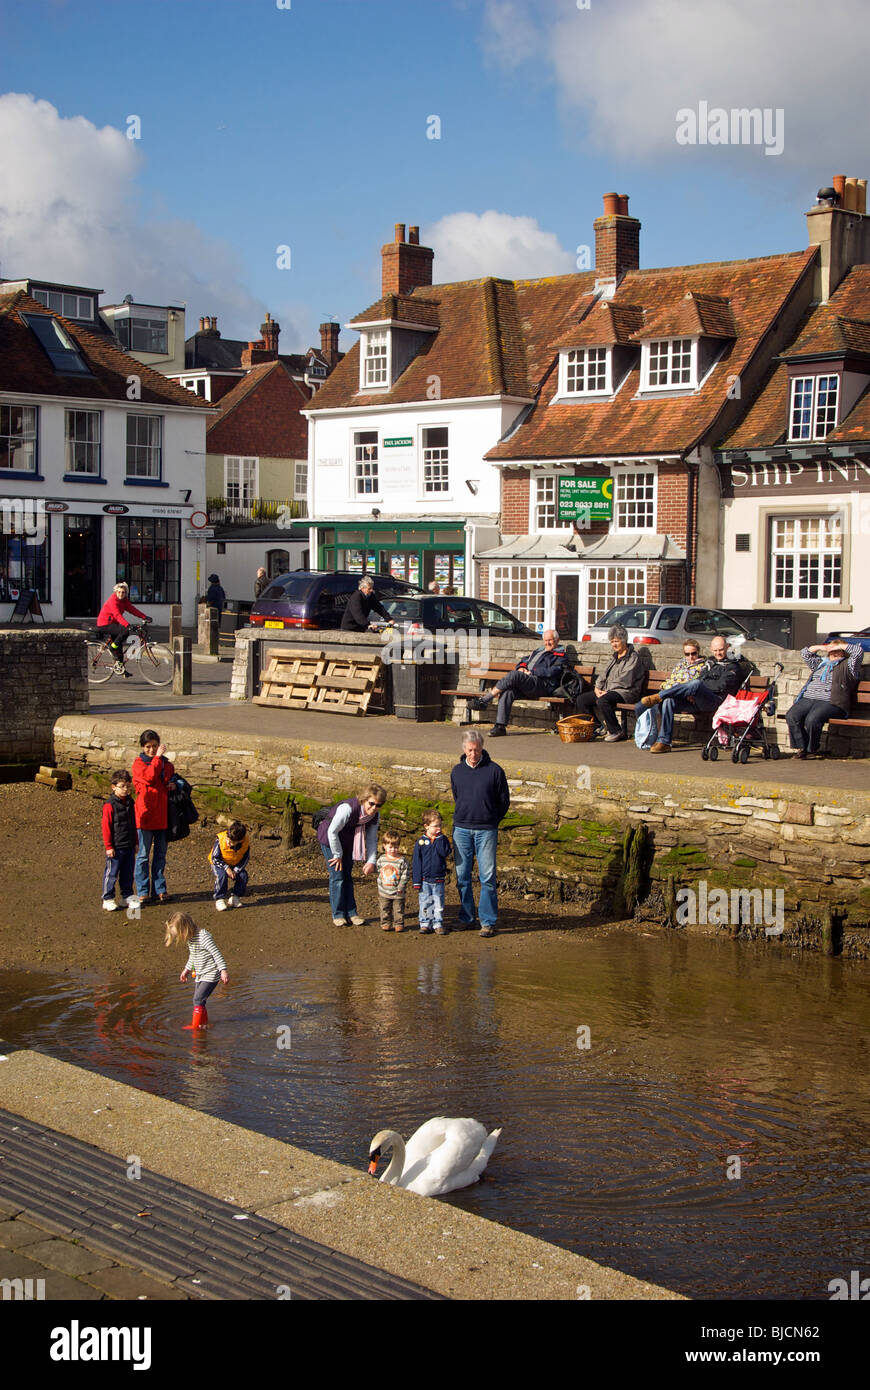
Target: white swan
point(440, 1157)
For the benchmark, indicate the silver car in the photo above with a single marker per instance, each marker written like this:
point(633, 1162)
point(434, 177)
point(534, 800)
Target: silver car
point(651, 624)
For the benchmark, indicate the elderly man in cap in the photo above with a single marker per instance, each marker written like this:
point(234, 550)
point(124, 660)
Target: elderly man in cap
point(538, 674)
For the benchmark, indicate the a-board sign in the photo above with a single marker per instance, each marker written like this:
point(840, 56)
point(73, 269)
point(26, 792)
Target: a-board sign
point(28, 606)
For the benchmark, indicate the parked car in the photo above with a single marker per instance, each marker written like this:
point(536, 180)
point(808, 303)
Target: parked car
point(862, 637)
point(650, 624)
point(440, 612)
point(317, 598)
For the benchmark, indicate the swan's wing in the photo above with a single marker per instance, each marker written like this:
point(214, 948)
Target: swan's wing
point(472, 1173)
point(437, 1168)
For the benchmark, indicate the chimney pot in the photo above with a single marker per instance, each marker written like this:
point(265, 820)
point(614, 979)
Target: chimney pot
point(400, 231)
point(623, 204)
point(862, 196)
point(838, 183)
point(611, 204)
point(850, 201)
point(414, 236)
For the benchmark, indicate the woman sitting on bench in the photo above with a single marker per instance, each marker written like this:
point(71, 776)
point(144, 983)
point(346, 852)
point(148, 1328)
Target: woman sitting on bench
point(835, 670)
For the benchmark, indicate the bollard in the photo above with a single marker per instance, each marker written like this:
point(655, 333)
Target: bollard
point(182, 666)
point(174, 622)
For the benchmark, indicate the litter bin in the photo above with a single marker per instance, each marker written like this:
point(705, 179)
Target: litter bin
point(235, 615)
point(418, 681)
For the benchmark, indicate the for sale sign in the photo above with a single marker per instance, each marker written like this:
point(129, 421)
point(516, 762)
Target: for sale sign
point(585, 497)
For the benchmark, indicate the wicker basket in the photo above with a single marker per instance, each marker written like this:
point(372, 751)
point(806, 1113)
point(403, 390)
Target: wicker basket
point(576, 728)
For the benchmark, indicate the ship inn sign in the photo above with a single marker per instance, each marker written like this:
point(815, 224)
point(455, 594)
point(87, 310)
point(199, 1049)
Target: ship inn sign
point(802, 477)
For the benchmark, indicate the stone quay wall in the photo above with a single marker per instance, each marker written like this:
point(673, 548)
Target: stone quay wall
point(616, 843)
point(42, 676)
point(841, 743)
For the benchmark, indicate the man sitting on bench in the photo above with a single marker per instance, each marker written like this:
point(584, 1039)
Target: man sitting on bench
point(534, 676)
point(720, 675)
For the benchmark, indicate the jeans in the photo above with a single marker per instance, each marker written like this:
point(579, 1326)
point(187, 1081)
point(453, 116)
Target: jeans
point(806, 719)
point(203, 989)
point(466, 844)
point(516, 684)
point(431, 905)
point(341, 895)
point(603, 707)
point(119, 868)
point(147, 838)
point(676, 701)
point(222, 886)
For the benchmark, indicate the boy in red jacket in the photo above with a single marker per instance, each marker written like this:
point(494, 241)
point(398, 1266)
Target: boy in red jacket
point(152, 777)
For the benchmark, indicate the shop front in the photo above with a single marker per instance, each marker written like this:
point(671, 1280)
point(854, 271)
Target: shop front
point(418, 552)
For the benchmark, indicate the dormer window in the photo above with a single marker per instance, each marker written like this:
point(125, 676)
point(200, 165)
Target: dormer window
point(668, 362)
point(813, 406)
point(585, 372)
point(376, 358)
point(66, 303)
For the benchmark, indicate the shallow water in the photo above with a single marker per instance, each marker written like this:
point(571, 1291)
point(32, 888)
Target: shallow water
point(702, 1053)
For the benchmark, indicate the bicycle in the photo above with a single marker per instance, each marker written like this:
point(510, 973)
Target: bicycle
point(154, 658)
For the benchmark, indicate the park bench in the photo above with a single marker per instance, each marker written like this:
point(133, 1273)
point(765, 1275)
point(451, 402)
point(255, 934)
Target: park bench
point(494, 670)
point(703, 720)
point(859, 706)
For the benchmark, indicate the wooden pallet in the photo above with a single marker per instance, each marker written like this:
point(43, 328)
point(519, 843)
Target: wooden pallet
point(307, 679)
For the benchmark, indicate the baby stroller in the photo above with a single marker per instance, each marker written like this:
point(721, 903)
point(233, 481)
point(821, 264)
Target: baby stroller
point(738, 723)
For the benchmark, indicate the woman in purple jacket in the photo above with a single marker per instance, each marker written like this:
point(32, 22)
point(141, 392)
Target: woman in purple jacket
point(348, 833)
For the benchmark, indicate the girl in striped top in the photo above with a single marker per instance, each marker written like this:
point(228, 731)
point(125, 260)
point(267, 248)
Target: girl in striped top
point(204, 959)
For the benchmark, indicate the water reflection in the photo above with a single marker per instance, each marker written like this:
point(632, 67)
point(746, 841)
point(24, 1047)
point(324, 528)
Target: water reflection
point(708, 1138)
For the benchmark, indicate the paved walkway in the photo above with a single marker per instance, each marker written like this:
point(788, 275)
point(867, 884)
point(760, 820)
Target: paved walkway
point(71, 1215)
point(407, 740)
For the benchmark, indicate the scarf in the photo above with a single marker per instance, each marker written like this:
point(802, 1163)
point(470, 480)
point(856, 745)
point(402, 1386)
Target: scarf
point(359, 836)
point(824, 670)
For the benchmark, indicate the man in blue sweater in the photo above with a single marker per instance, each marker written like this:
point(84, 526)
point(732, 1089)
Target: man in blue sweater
point(540, 673)
point(482, 798)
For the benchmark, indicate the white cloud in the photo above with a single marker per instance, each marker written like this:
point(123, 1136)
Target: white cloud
point(632, 65)
point(69, 211)
point(469, 245)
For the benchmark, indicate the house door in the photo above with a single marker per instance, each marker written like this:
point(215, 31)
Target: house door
point(82, 565)
point(566, 606)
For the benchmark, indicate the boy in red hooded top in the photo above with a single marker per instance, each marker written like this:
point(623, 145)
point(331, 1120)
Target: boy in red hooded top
point(112, 623)
point(152, 777)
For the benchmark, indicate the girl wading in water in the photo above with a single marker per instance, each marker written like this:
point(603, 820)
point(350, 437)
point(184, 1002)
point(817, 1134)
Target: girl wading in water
point(348, 833)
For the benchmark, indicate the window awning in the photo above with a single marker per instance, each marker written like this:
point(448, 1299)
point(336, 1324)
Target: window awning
point(624, 545)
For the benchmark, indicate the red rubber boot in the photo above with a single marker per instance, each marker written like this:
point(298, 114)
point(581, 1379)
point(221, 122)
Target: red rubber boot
point(204, 1021)
point(196, 1022)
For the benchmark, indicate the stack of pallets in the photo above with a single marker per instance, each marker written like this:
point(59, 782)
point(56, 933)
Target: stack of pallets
point(297, 678)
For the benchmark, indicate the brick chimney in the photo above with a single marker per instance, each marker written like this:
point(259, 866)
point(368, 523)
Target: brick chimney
point(405, 264)
point(617, 239)
point(329, 343)
point(840, 227)
point(266, 350)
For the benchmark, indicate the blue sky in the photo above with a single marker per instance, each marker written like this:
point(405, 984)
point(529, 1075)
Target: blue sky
point(264, 126)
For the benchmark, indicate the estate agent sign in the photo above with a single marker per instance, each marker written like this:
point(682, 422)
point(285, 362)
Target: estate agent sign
point(585, 497)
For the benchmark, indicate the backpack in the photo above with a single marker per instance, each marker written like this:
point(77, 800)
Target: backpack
point(570, 687)
point(325, 813)
point(181, 812)
point(645, 729)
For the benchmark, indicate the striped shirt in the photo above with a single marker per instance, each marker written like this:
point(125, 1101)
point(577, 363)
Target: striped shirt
point(205, 958)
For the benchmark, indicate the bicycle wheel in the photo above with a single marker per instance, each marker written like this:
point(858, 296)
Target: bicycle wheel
point(155, 663)
point(101, 663)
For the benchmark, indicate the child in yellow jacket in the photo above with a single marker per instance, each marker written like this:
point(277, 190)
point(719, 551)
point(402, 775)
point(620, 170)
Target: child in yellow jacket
point(229, 858)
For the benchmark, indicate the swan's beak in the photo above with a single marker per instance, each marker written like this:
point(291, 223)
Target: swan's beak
point(373, 1166)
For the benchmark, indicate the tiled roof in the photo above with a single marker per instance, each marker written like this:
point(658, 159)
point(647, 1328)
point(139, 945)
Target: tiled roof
point(606, 324)
point(402, 307)
point(841, 325)
point(260, 416)
point(494, 337)
point(24, 366)
point(752, 292)
point(205, 350)
point(692, 316)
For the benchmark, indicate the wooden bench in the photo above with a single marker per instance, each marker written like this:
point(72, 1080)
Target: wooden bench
point(859, 703)
point(703, 718)
point(494, 670)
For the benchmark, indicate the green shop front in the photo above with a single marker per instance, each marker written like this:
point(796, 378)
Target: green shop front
point(417, 551)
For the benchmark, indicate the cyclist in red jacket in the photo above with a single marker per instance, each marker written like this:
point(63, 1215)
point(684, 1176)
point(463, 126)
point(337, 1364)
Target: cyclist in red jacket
point(111, 623)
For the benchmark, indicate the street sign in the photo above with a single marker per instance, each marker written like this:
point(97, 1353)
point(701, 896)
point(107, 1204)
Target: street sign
point(204, 533)
point(585, 497)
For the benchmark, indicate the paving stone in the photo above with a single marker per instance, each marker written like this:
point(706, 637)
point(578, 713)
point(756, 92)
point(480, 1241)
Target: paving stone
point(17, 1266)
point(14, 1235)
point(132, 1283)
point(60, 1287)
point(67, 1257)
